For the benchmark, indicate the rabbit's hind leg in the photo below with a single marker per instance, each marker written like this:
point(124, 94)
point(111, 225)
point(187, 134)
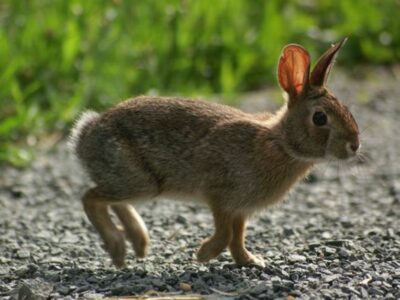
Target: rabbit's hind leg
point(96, 208)
point(135, 229)
point(237, 247)
point(214, 245)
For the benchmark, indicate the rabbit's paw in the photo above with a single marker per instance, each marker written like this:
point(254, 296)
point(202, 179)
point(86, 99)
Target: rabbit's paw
point(209, 250)
point(140, 245)
point(255, 260)
point(248, 259)
point(114, 244)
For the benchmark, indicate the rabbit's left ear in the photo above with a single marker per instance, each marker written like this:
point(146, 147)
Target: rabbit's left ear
point(320, 73)
point(294, 69)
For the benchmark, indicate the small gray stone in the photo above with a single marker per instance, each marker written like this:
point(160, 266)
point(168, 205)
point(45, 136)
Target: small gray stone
point(375, 291)
point(350, 290)
point(276, 280)
point(288, 231)
point(313, 282)
point(339, 243)
point(390, 296)
point(326, 235)
point(117, 290)
point(331, 278)
point(294, 258)
point(21, 271)
point(25, 292)
point(23, 254)
point(344, 253)
point(158, 283)
point(347, 223)
point(181, 219)
point(329, 250)
point(258, 289)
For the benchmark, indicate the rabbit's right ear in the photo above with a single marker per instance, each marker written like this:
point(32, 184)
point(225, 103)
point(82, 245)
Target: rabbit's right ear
point(294, 70)
point(320, 73)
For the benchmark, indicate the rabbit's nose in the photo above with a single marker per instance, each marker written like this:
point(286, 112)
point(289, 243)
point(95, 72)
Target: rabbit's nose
point(352, 147)
point(355, 146)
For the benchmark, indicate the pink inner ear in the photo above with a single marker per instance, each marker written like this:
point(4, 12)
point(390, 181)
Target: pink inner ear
point(298, 87)
point(293, 69)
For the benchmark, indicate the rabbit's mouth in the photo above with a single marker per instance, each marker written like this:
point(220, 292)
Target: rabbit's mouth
point(342, 147)
point(348, 152)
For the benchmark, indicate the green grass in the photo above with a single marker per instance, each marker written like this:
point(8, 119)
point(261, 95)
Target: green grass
point(58, 57)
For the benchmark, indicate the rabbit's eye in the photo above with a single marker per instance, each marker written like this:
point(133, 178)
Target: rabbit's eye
point(319, 118)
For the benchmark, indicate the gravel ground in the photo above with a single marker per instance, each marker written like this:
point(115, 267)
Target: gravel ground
point(336, 236)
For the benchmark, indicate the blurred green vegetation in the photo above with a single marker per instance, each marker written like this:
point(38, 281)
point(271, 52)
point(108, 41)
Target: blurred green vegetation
point(58, 57)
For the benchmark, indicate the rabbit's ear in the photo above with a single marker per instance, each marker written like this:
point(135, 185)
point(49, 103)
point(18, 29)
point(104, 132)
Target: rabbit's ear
point(320, 73)
point(294, 69)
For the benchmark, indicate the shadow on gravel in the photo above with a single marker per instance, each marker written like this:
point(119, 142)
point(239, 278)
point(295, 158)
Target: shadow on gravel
point(109, 282)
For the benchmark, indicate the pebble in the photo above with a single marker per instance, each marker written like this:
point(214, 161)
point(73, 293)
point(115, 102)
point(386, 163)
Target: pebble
point(390, 233)
point(313, 282)
point(158, 283)
point(288, 231)
point(374, 291)
point(326, 235)
point(294, 258)
point(258, 289)
point(329, 250)
point(185, 287)
point(22, 271)
point(364, 293)
point(181, 219)
point(350, 290)
point(339, 243)
point(330, 278)
point(276, 280)
point(390, 296)
point(344, 253)
point(23, 254)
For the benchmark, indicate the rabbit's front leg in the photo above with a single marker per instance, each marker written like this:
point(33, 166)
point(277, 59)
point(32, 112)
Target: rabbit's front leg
point(96, 209)
point(214, 245)
point(238, 250)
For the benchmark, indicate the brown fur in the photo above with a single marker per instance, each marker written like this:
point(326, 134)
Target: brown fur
point(237, 163)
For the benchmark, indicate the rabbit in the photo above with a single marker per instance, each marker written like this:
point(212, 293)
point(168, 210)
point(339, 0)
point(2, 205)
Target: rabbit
point(235, 162)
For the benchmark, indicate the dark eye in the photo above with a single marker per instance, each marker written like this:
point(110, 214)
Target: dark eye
point(319, 118)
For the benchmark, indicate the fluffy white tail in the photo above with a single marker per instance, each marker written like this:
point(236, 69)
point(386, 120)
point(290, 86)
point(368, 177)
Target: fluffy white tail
point(79, 127)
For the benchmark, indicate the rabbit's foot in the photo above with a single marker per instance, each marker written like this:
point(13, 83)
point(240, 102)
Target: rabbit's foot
point(139, 240)
point(245, 258)
point(254, 260)
point(114, 244)
point(140, 244)
point(210, 249)
point(133, 227)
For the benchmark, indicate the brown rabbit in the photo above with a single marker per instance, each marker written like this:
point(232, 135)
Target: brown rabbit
point(235, 162)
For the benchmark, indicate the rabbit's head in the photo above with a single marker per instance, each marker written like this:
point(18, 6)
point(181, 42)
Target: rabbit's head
point(316, 125)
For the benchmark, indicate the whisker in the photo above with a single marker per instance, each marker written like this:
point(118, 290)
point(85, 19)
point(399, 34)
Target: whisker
point(362, 158)
point(366, 128)
point(338, 171)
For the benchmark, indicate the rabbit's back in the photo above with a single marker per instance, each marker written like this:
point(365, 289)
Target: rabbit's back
point(160, 145)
